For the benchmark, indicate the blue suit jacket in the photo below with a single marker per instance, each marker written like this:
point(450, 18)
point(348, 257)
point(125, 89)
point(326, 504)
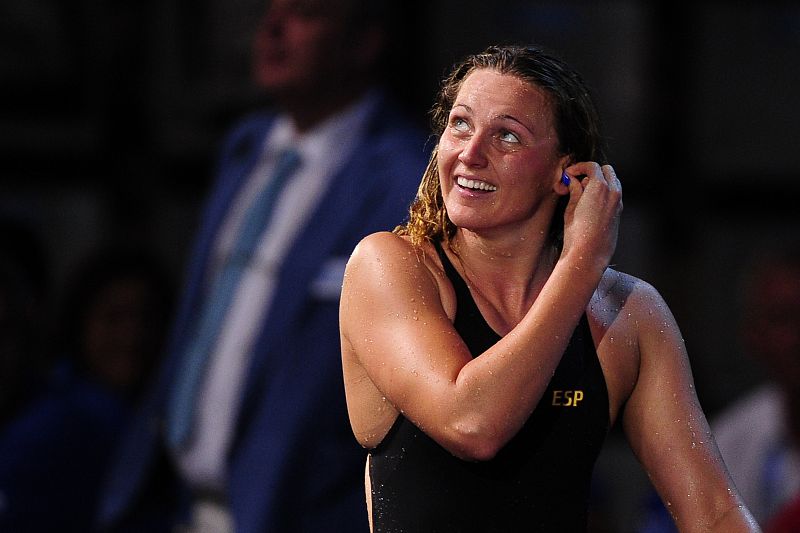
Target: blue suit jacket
point(294, 464)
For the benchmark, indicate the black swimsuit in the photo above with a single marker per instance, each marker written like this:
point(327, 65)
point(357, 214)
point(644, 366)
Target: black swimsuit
point(539, 482)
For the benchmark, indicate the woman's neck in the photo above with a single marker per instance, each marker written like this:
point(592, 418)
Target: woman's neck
point(508, 273)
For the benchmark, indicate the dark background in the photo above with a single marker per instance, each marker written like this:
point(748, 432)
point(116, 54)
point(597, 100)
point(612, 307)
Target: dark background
point(111, 112)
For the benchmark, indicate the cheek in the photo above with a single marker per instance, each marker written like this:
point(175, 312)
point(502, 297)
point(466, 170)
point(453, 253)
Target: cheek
point(311, 49)
point(519, 173)
point(447, 146)
point(446, 156)
point(539, 171)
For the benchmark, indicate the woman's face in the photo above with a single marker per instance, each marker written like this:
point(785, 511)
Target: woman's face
point(498, 156)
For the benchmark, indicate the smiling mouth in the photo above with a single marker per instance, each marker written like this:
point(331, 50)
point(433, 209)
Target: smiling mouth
point(475, 185)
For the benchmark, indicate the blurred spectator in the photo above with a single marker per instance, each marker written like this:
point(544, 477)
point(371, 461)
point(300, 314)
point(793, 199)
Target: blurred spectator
point(263, 444)
point(787, 520)
point(759, 434)
point(23, 290)
point(54, 452)
point(114, 319)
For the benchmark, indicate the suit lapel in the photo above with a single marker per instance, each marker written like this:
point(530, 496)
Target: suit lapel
point(320, 238)
point(239, 157)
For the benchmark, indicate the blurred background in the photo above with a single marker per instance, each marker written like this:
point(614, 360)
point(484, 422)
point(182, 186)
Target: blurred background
point(112, 111)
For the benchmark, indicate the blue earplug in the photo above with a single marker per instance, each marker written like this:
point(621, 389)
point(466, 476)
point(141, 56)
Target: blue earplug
point(564, 178)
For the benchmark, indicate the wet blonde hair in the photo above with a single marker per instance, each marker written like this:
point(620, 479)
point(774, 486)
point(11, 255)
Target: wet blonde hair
point(576, 120)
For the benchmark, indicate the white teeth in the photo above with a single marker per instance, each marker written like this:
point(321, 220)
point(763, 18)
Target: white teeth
point(474, 184)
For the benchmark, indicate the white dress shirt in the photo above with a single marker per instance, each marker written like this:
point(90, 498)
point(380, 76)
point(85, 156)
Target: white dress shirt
point(754, 442)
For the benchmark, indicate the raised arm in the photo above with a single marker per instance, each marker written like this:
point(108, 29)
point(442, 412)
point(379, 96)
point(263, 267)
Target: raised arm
point(668, 432)
point(398, 337)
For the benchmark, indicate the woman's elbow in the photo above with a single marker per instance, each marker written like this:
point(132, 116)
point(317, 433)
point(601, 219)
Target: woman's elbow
point(480, 452)
point(474, 443)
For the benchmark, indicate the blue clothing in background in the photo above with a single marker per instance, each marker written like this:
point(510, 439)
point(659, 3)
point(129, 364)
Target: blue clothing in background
point(294, 464)
point(54, 453)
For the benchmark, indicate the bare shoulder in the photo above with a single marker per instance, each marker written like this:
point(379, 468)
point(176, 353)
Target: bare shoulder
point(629, 308)
point(378, 246)
point(620, 302)
point(616, 286)
point(640, 299)
point(388, 250)
point(621, 307)
point(390, 266)
point(392, 292)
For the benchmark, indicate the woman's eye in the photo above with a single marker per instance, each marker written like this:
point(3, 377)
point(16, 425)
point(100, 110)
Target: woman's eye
point(507, 136)
point(460, 124)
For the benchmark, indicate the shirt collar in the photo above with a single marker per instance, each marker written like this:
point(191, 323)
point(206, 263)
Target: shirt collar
point(327, 138)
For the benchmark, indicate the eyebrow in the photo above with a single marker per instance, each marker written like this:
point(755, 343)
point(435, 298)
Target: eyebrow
point(513, 119)
point(503, 116)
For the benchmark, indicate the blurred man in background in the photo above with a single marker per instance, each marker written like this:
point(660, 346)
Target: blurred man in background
point(245, 428)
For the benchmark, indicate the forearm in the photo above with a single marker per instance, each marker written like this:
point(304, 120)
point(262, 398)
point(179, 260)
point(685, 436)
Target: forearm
point(496, 392)
point(470, 405)
point(668, 431)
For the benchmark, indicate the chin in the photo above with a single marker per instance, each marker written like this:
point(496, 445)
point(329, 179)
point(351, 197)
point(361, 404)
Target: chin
point(472, 222)
point(274, 78)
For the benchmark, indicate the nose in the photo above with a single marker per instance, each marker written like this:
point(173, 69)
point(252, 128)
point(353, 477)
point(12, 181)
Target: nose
point(473, 152)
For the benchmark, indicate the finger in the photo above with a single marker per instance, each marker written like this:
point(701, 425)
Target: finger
point(611, 178)
point(597, 174)
point(575, 190)
point(614, 184)
point(586, 171)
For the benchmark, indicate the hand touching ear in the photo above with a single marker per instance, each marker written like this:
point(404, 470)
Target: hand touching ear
point(591, 219)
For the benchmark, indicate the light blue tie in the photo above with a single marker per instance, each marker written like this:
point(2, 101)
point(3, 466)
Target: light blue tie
point(182, 405)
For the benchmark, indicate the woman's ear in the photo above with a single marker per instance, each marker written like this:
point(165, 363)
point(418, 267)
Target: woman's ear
point(561, 186)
